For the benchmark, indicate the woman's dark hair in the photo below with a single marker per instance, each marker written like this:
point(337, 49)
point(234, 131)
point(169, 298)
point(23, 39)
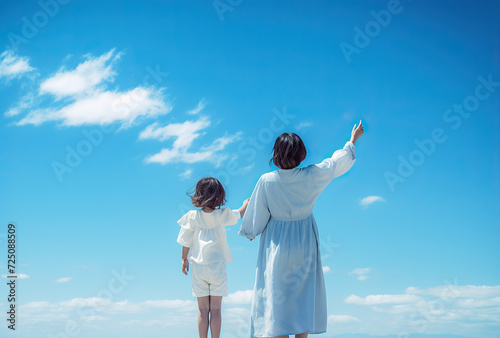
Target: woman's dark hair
point(209, 193)
point(289, 151)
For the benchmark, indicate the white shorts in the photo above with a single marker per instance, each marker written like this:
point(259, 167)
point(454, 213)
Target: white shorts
point(209, 279)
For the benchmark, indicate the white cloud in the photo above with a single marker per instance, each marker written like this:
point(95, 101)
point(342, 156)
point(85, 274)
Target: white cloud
point(102, 108)
point(239, 297)
point(341, 319)
point(185, 133)
point(465, 291)
point(366, 201)
point(360, 271)
point(379, 314)
point(80, 96)
point(186, 174)
point(451, 309)
point(381, 299)
point(326, 269)
point(201, 105)
point(12, 66)
point(63, 279)
point(25, 102)
point(303, 125)
point(19, 275)
point(83, 79)
point(105, 305)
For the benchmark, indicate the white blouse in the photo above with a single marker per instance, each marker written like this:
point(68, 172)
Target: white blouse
point(204, 234)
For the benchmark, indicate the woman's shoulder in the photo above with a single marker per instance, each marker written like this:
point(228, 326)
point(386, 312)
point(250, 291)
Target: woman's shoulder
point(268, 177)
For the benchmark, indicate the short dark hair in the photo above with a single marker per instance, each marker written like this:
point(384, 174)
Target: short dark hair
point(209, 193)
point(289, 151)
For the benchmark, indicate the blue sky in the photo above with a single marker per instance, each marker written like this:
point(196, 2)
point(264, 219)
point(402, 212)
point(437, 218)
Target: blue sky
point(111, 112)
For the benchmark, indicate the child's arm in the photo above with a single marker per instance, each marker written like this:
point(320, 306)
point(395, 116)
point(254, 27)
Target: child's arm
point(243, 208)
point(185, 262)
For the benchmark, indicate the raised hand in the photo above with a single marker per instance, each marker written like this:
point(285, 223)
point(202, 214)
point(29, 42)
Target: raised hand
point(357, 132)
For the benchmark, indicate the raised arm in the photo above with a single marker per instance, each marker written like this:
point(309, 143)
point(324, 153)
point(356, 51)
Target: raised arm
point(339, 163)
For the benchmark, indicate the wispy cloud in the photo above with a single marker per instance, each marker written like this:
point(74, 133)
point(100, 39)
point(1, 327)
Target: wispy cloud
point(366, 201)
point(303, 125)
point(186, 174)
point(201, 105)
point(63, 279)
point(185, 133)
point(12, 66)
point(84, 79)
point(382, 299)
point(361, 273)
point(326, 269)
point(444, 308)
point(19, 275)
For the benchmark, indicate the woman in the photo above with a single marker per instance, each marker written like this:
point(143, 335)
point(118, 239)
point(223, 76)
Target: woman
point(289, 293)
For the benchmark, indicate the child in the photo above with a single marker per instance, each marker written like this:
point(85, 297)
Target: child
point(203, 237)
point(289, 292)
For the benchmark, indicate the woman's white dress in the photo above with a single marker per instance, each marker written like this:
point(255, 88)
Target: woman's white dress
point(289, 293)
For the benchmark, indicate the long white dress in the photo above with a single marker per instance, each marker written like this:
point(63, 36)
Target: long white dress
point(289, 293)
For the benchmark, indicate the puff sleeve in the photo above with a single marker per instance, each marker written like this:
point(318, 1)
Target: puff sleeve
point(257, 214)
point(335, 166)
point(186, 234)
point(230, 217)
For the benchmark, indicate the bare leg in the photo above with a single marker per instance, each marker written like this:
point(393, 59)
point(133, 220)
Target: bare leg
point(215, 316)
point(203, 309)
point(302, 335)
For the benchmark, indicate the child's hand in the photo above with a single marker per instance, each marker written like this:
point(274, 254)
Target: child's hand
point(185, 266)
point(243, 208)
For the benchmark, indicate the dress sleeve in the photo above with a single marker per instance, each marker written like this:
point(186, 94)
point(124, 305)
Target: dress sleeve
point(186, 233)
point(335, 166)
point(230, 217)
point(257, 214)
